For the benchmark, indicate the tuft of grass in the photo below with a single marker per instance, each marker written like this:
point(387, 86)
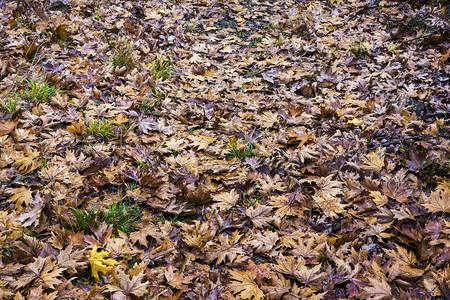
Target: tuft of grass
point(100, 128)
point(250, 199)
point(240, 151)
point(9, 105)
point(162, 69)
point(39, 90)
point(122, 54)
point(150, 104)
point(359, 48)
point(84, 219)
point(122, 215)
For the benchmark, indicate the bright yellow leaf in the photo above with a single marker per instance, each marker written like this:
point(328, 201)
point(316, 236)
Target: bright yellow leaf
point(99, 263)
point(355, 122)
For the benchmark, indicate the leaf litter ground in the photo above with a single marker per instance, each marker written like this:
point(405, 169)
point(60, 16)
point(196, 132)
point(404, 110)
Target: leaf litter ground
point(224, 150)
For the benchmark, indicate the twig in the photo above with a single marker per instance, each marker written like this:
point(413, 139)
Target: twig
point(422, 36)
point(420, 137)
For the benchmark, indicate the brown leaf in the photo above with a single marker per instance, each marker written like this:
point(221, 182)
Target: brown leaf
point(129, 286)
point(7, 126)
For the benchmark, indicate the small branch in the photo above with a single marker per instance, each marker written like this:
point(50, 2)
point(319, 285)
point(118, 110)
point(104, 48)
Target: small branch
point(395, 141)
point(420, 37)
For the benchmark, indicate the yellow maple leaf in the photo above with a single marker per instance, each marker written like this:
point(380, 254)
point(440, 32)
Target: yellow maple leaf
point(99, 263)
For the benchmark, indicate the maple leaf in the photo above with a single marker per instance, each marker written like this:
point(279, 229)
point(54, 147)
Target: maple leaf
point(28, 162)
point(99, 263)
point(226, 200)
point(70, 261)
point(226, 249)
point(379, 289)
point(21, 196)
point(43, 271)
point(243, 283)
point(438, 201)
point(326, 186)
point(287, 205)
point(378, 198)
point(176, 278)
point(265, 242)
point(306, 153)
point(128, 285)
point(309, 276)
point(7, 126)
point(267, 119)
point(141, 236)
point(33, 216)
point(373, 162)
point(330, 205)
point(259, 215)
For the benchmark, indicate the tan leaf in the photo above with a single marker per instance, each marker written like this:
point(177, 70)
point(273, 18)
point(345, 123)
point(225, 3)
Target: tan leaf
point(286, 206)
point(330, 205)
point(28, 162)
point(43, 271)
point(227, 249)
point(267, 119)
point(378, 198)
point(176, 278)
point(438, 201)
point(379, 289)
point(7, 126)
point(373, 162)
point(226, 200)
point(243, 283)
point(77, 127)
point(32, 217)
point(21, 196)
point(260, 216)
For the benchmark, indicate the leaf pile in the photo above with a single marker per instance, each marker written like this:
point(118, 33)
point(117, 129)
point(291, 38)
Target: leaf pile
point(207, 149)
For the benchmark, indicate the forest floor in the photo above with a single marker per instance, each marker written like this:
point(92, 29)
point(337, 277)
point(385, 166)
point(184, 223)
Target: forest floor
point(224, 149)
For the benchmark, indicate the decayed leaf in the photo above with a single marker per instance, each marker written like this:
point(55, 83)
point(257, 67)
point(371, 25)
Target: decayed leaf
point(70, 260)
point(378, 198)
point(306, 153)
point(330, 205)
point(438, 201)
point(99, 263)
point(128, 285)
point(243, 284)
point(286, 206)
